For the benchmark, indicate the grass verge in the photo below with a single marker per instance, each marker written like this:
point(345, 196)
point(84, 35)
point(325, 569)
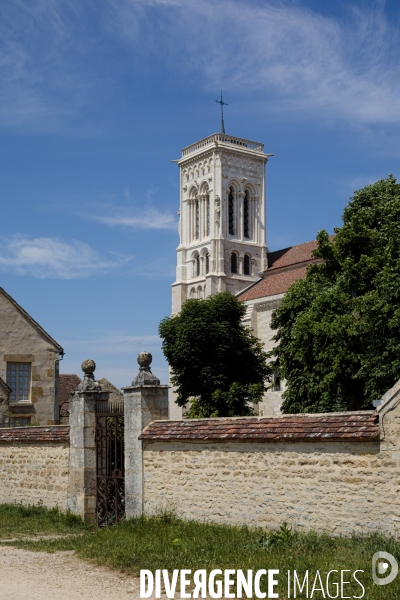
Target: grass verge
point(19, 521)
point(164, 542)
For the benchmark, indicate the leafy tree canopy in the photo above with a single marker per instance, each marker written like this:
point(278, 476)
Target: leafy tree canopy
point(338, 330)
point(215, 361)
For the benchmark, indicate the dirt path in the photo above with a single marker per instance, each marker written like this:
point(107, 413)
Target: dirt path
point(26, 575)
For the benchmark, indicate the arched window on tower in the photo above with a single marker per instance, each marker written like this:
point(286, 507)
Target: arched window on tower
point(197, 266)
point(230, 212)
point(246, 203)
point(246, 265)
point(234, 262)
point(207, 262)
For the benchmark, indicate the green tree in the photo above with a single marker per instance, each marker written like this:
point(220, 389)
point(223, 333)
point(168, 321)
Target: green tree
point(338, 330)
point(216, 362)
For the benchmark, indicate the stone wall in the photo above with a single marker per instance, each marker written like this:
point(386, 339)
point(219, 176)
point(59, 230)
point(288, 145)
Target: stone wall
point(321, 486)
point(34, 466)
point(258, 317)
point(310, 477)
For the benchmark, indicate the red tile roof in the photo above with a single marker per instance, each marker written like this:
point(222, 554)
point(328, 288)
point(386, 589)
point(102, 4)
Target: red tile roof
point(289, 257)
point(340, 426)
point(32, 435)
point(284, 268)
point(66, 384)
point(277, 283)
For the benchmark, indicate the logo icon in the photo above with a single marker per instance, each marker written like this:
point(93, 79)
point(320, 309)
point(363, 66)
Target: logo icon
point(381, 561)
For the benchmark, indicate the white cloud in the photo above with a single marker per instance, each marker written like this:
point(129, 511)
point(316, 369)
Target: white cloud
point(44, 52)
point(148, 219)
point(53, 258)
point(58, 59)
point(304, 61)
point(107, 208)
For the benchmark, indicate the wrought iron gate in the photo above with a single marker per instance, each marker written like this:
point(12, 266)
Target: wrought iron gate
point(110, 504)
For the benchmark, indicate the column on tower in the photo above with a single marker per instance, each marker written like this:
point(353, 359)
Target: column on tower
point(241, 215)
point(208, 228)
point(205, 215)
point(252, 217)
point(193, 232)
point(189, 230)
point(235, 213)
point(195, 215)
point(202, 217)
point(197, 201)
point(257, 221)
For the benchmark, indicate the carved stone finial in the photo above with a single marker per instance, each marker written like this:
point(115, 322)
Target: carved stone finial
point(89, 384)
point(88, 366)
point(145, 376)
point(144, 359)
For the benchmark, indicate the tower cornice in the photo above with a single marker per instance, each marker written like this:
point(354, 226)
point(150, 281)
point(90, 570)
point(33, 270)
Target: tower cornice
point(223, 142)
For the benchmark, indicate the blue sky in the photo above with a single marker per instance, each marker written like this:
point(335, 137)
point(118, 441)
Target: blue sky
point(97, 98)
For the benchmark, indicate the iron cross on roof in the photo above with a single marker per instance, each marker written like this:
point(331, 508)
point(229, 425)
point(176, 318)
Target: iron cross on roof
point(222, 103)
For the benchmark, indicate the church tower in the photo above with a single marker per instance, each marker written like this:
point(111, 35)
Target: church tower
point(222, 217)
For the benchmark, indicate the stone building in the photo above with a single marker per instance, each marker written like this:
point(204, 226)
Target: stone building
point(222, 240)
point(29, 359)
point(222, 217)
point(263, 298)
point(67, 385)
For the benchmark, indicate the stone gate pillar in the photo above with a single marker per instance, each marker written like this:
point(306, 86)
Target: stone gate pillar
point(144, 401)
point(82, 457)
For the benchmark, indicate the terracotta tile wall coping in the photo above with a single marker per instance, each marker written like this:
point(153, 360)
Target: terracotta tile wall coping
point(32, 435)
point(358, 426)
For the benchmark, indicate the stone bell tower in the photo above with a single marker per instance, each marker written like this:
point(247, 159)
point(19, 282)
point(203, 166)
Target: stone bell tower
point(222, 217)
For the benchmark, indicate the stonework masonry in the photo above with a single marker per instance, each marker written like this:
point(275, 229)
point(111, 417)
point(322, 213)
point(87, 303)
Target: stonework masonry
point(338, 486)
point(258, 316)
point(337, 472)
point(329, 485)
point(34, 471)
point(141, 403)
point(222, 211)
point(23, 341)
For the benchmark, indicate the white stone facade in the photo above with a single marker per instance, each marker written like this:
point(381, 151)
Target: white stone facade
point(258, 316)
point(222, 212)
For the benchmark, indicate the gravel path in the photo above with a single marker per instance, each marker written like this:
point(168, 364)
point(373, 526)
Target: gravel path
point(26, 575)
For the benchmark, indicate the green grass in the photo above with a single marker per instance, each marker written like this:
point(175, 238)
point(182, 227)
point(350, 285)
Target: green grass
point(164, 542)
point(18, 521)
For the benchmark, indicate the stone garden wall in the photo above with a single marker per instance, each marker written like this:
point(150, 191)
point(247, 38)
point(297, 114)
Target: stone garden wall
point(34, 465)
point(338, 473)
